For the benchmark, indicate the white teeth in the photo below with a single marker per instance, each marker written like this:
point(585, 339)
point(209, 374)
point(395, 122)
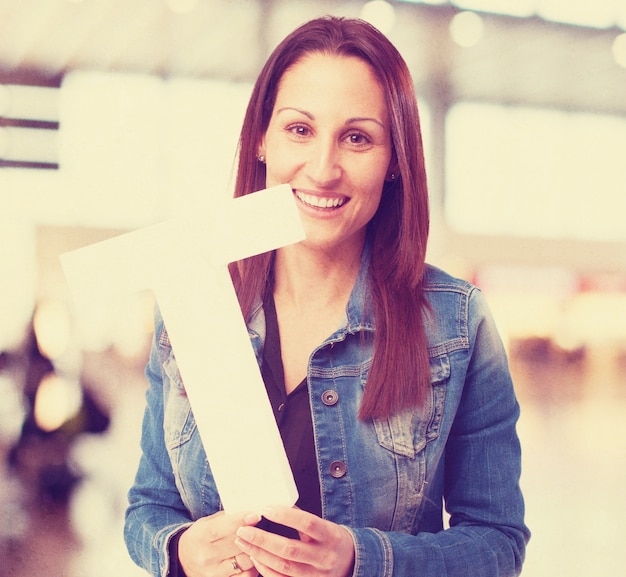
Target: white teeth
point(320, 202)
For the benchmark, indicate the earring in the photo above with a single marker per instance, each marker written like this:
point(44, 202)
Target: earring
point(392, 176)
point(261, 158)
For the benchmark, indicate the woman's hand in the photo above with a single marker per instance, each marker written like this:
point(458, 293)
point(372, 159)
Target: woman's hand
point(207, 548)
point(325, 549)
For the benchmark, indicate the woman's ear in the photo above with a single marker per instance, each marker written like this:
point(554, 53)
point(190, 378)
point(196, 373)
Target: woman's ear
point(260, 153)
point(393, 173)
point(393, 170)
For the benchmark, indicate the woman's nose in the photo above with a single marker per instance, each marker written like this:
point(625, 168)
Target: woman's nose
point(324, 164)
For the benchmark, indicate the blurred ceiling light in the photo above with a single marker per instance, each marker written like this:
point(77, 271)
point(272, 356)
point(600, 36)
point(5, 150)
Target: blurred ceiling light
point(57, 401)
point(597, 14)
point(435, 2)
point(182, 6)
point(20, 144)
point(52, 326)
point(380, 14)
point(619, 50)
point(466, 29)
point(29, 102)
point(509, 7)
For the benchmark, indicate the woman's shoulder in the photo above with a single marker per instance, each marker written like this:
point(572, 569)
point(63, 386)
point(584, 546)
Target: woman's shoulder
point(454, 309)
point(438, 280)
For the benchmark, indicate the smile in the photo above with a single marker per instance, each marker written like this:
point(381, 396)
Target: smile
point(320, 201)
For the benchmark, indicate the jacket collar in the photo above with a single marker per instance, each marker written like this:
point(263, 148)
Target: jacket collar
point(359, 310)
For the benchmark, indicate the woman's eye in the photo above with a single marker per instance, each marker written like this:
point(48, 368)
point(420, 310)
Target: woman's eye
point(357, 138)
point(299, 130)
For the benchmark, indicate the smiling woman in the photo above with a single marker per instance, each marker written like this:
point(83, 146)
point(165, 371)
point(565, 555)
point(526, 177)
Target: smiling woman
point(387, 378)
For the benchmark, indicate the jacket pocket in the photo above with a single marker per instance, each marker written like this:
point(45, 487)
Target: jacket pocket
point(407, 433)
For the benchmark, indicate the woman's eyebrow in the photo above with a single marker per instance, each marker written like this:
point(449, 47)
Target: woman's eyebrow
point(347, 122)
point(364, 119)
point(300, 110)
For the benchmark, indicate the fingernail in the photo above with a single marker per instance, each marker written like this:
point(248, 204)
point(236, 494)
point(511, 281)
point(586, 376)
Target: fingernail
point(268, 512)
point(252, 518)
point(243, 532)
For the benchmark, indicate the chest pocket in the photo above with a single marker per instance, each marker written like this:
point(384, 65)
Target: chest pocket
point(407, 433)
point(178, 424)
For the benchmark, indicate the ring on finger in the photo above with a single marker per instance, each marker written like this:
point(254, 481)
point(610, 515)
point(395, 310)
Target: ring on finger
point(236, 567)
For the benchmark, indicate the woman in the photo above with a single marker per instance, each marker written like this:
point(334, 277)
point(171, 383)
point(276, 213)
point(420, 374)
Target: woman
point(387, 377)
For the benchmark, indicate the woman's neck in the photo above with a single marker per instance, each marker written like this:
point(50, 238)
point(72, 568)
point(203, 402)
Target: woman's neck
point(309, 279)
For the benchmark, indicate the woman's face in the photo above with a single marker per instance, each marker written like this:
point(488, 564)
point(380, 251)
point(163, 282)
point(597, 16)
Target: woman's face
point(329, 137)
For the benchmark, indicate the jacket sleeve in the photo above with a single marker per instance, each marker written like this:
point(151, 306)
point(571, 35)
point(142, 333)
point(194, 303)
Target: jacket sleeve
point(487, 535)
point(156, 512)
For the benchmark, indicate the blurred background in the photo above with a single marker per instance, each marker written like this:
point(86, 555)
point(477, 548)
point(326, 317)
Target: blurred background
point(116, 114)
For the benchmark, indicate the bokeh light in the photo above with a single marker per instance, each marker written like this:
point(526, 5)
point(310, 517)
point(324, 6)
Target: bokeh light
point(466, 29)
point(380, 14)
point(57, 401)
point(619, 50)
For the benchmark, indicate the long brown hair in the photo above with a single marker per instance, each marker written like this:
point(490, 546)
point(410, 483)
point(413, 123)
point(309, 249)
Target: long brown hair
point(399, 377)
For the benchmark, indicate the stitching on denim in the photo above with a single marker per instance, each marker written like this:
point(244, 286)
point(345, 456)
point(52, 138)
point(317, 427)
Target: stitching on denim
point(387, 553)
point(340, 371)
point(164, 338)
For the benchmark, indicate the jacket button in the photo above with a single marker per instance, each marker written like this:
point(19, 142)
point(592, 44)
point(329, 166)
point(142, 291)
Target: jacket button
point(330, 398)
point(338, 469)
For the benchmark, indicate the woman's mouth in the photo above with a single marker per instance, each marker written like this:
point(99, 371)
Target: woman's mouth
point(322, 202)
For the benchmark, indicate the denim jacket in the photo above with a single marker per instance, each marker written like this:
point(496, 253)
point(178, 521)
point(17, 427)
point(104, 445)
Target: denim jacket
point(385, 480)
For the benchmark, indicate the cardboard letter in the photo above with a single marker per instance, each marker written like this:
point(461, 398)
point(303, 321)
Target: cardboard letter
point(185, 264)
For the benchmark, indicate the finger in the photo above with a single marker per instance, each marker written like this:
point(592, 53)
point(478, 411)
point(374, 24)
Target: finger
point(238, 564)
point(229, 548)
point(310, 527)
point(269, 565)
point(273, 550)
point(222, 525)
point(244, 561)
point(232, 521)
point(264, 570)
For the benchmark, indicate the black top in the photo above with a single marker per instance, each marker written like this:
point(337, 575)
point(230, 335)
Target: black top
point(293, 416)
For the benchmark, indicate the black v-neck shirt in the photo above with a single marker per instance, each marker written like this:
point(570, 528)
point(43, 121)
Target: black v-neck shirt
point(293, 416)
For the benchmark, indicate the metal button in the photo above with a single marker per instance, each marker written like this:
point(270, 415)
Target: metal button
point(330, 398)
point(338, 469)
